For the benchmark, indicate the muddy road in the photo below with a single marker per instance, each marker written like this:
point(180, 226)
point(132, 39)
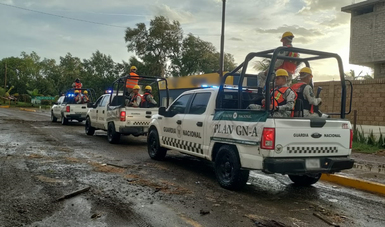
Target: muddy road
point(41, 161)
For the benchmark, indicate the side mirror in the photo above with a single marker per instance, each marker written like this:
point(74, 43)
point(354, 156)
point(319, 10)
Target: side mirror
point(55, 103)
point(162, 111)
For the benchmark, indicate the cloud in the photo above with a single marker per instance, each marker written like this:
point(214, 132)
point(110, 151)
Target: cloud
point(9, 2)
point(338, 19)
point(313, 6)
point(173, 14)
point(296, 30)
point(235, 39)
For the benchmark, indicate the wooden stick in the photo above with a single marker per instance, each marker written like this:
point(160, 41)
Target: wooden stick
point(326, 220)
point(72, 194)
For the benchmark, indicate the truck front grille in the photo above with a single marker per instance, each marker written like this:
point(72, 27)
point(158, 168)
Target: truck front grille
point(311, 150)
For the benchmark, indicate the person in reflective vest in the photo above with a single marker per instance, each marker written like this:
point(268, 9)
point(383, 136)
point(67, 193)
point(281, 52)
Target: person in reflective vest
point(135, 98)
point(132, 80)
point(282, 97)
point(148, 99)
point(86, 99)
point(78, 97)
point(288, 65)
point(77, 84)
point(305, 93)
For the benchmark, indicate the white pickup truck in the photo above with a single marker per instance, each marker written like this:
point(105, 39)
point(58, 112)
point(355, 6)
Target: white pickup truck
point(215, 124)
point(110, 113)
point(67, 109)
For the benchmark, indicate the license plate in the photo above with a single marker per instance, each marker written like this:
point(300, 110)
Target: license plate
point(312, 163)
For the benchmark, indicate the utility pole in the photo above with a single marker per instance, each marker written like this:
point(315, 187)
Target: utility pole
point(5, 76)
point(221, 57)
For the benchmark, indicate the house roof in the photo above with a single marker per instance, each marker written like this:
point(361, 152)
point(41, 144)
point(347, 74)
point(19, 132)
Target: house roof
point(360, 5)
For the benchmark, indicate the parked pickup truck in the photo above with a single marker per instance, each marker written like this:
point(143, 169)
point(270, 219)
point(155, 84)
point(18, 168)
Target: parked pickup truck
point(68, 108)
point(110, 112)
point(216, 124)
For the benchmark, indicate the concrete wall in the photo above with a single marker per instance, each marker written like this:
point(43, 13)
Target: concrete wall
point(368, 96)
point(367, 39)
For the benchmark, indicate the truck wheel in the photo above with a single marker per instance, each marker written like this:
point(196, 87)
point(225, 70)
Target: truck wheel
point(64, 120)
point(305, 180)
point(53, 118)
point(153, 146)
point(112, 135)
point(89, 129)
point(228, 169)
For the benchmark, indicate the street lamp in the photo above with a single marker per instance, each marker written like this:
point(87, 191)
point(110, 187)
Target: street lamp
point(221, 57)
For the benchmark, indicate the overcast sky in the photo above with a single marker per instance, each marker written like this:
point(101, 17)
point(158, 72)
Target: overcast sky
point(251, 25)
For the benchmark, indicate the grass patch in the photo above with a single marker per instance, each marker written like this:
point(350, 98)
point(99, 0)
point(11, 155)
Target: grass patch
point(365, 148)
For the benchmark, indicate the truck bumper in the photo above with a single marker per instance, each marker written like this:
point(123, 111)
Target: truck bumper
point(75, 117)
point(136, 131)
point(299, 165)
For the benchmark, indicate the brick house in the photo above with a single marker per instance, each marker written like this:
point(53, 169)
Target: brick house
point(367, 35)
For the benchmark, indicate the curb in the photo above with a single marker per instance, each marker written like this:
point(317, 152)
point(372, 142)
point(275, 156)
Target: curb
point(4, 106)
point(29, 110)
point(355, 183)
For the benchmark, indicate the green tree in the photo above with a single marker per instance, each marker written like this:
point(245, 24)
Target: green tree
point(156, 45)
point(262, 65)
point(99, 72)
point(70, 69)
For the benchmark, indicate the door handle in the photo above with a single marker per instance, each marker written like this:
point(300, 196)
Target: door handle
point(103, 111)
point(97, 111)
point(179, 122)
point(199, 124)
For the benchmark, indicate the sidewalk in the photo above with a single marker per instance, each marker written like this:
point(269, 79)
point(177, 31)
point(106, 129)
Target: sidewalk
point(368, 173)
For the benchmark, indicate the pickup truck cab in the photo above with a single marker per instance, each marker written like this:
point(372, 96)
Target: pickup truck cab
point(110, 112)
point(215, 124)
point(68, 108)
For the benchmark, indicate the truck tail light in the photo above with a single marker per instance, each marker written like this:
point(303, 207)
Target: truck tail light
point(268, 139)
point(68, 109)
point(123, 116)
point(351, 139)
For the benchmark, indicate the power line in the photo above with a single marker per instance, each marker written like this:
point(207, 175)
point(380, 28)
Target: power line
point(64, 17)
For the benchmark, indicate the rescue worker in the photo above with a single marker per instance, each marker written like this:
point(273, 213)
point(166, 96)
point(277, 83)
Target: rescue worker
point(148, 99)
point(77, 84)
point(133, 80)
point(305, 92)
point(86, 99)
point(78, 97)
point(135, 98)
point(288, 65)
point(283, 97)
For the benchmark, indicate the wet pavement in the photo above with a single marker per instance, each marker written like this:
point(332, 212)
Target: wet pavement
point(42, 161)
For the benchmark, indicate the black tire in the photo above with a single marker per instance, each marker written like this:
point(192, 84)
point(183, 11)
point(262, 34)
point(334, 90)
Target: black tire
point(305, 180)
point(64, 120)
point(155, 151)
point(89, 129)
point(228, 169)
point(53, 118)
point(112, 135)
